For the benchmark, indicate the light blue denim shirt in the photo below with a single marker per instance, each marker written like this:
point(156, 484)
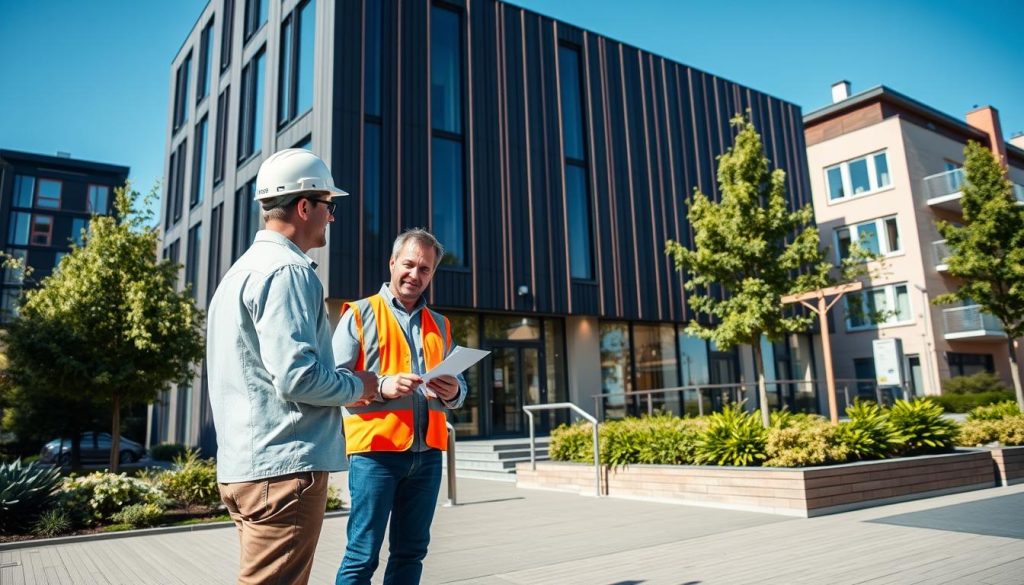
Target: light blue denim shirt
point(346, 352)
point(275, 392)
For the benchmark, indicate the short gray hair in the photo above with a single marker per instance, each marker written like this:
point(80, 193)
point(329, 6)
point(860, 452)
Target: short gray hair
point(421, 237)
point(277, 208)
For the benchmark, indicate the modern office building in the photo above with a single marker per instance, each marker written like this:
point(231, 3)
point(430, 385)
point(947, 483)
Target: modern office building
point(552, 162)
point(883, 168)
point(45, 203)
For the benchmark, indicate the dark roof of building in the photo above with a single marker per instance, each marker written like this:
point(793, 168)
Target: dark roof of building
point(882, 93)
point(61, 162)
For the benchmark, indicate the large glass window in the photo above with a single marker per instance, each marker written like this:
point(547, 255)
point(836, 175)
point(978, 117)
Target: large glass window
point(199, 164)
point(860, 176)
point(577, 198)
point(181, 92)
point(295, 79)
point(616, 366)
point(968, 364)
point(24, 190)
point(874, 307)
point(205, 51)
point(372, 68)
point(371, 184)
point(195, 240)
point(693, 360)
point(247, 218)
point(466, 332)
point(14, 275)
point(78, 227)
point(221, 140)
point(255, 16)
point(657, 366)
point(878, 236)
point(9, 300)
point(213, 264)
point(178, 184)
point(447, 185)
point(48, 194)
point(227, 25)
point(99, 199)
point(18, 228)
point(250, 126)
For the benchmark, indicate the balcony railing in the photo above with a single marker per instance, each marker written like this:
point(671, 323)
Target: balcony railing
point(940, 251)
point(971, 322)
point(943, 186)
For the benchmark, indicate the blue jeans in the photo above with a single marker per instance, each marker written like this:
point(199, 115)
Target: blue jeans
point(404, 486)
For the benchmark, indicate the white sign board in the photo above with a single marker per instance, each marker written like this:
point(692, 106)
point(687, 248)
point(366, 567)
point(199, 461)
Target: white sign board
point(888, 362)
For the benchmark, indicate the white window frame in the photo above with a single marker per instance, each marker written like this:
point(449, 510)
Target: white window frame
point(890, 302)
point(844, 168)
point(885, 248)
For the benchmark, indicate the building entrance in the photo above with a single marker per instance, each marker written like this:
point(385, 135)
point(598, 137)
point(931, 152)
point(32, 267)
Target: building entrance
point(513, 379)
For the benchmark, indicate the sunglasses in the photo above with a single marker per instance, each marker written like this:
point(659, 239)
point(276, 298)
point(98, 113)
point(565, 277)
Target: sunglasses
point(331, 205)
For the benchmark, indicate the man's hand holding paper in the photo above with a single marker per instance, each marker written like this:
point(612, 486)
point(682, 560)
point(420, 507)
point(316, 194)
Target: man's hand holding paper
point(440, 382)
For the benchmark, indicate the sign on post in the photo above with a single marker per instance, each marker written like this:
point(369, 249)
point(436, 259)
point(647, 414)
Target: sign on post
point(888, 362)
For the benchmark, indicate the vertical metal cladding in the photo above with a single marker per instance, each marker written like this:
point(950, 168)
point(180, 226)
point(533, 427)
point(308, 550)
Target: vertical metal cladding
point(653, 129)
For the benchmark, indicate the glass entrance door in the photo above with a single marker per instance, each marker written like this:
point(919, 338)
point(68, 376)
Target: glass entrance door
point(515, 380)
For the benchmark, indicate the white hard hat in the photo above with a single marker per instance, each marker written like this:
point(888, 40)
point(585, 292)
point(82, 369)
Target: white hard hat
point(292, 171)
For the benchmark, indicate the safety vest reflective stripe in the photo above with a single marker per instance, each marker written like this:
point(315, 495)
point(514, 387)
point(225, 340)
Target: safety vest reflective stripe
point(390, 425)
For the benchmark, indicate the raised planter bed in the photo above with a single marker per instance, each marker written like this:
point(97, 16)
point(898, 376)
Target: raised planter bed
point(1009, 463)
point(802, 492)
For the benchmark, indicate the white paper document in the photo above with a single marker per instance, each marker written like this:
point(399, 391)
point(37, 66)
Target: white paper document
point(458, 361)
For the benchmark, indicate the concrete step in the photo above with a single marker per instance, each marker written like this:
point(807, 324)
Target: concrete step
point(506, 476)
point(461, 455)
point(503, 445)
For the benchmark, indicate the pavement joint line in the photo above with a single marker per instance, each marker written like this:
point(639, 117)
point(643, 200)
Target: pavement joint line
point(41, 542)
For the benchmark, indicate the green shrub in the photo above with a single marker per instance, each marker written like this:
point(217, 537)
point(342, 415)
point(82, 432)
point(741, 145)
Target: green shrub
point(96, 497)
point(968, 402)
point(996, 411)
point(867, 434)
point(53, 522)
point(922, 428)
point(1008, 431)
point(192, 481)
point(167, 451)
point(663, 439)
point(334, 501)
point(732, 437)
point(25, 491)
point(802, 441)
point(139, 515)
point(979, 383)
point(573, 443)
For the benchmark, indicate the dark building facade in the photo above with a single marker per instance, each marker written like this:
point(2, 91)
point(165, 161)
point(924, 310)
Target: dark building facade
point(552, 162)
point(45, 203)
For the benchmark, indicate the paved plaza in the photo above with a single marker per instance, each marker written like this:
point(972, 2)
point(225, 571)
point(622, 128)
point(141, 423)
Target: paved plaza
point(501, 535)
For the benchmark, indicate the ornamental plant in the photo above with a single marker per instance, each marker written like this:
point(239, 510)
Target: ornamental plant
point(997, 411)
point(732, 437)
point(192, 482)
point(573, 442)
point(96, 497)
point(803, 440)
point(922, 428)
point(25, 492)
point(867, 434)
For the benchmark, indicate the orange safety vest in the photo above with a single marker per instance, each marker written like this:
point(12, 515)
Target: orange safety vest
point(383, 349)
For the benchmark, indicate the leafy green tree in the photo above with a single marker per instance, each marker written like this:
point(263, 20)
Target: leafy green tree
point(987, 252)
point(752, 246)
point(107, 326)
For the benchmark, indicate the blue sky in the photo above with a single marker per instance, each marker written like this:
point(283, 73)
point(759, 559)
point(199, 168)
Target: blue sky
point(92, 78)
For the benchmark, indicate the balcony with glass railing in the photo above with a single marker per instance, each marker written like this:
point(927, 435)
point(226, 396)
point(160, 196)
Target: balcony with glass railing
point(940, 252)
point(943, 190)
point(971, 323)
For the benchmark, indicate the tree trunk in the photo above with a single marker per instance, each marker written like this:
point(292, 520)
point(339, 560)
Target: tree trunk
point(762, 391)
point(1015, 372)
point(115, 436)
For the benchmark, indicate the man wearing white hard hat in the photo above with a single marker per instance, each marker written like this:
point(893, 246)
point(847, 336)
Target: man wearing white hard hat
point(274, 388)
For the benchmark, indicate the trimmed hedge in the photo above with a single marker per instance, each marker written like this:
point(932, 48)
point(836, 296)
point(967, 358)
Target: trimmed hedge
point(736, 437)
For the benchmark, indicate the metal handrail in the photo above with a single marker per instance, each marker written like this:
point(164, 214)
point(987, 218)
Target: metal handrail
point(450, 457)
point(581, 413)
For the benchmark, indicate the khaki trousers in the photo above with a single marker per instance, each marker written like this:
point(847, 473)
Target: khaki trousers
point(278, 522)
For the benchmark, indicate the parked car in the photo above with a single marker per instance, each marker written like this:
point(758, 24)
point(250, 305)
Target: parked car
point(94, 447)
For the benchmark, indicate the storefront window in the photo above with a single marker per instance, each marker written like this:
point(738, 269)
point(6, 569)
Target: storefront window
point(616, 370)
point(657, 366)
point(466, 420)
point(554, 350)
